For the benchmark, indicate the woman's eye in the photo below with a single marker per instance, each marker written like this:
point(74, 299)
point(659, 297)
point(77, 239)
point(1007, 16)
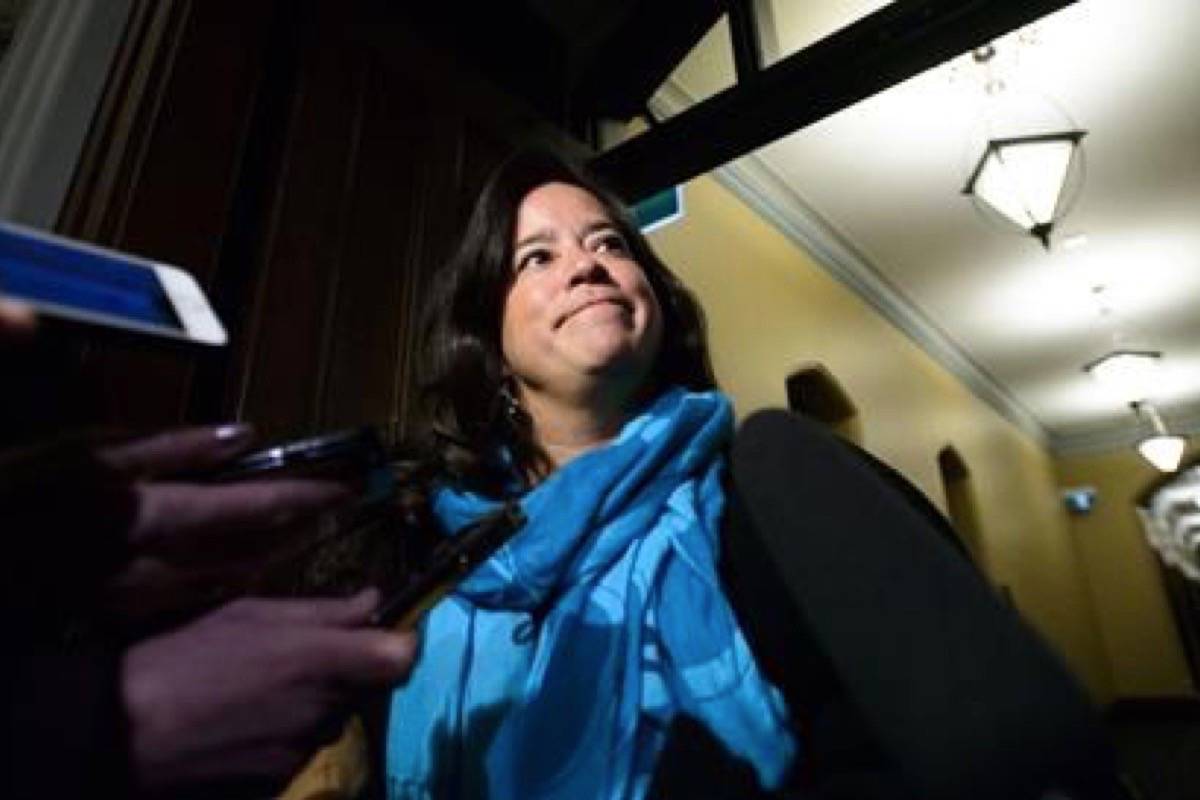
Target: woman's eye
point(611, 243)
point(533, 258)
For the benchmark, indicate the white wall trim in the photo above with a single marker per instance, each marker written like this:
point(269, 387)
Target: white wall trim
point(1184, 421)
point(752, 180)
point(51, 83)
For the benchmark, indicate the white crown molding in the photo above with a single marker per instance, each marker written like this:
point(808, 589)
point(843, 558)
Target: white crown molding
point(755, 183)
point(1183, 421)
point(50, 84)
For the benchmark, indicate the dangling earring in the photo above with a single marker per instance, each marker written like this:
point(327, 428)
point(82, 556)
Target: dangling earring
point(512, 409)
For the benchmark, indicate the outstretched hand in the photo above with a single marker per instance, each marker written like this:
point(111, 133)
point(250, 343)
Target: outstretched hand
point(196, 519)
point(240, 697)
point(118, 515)
point(188, 539)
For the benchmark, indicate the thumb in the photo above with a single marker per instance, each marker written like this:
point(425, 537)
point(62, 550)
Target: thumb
point(369, 657)
point(17, 320)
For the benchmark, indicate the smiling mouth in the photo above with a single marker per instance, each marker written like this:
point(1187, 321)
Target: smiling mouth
point(621, 303)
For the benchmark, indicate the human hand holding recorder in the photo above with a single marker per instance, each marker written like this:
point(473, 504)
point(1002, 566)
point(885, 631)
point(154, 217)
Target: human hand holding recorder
point(235, 697)
point(152, 537)
point(124, 554)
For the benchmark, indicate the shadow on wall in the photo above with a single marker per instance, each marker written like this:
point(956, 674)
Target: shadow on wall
point(961, 505)
point(815, 393)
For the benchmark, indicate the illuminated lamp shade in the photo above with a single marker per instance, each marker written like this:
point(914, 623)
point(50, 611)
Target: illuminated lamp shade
point(1161, 448)
point(1025, 179)
point(1163, 451)
point(1127, 374)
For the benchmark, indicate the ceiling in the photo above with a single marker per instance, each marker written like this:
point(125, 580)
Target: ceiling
point(558, 57)
point(883, 180)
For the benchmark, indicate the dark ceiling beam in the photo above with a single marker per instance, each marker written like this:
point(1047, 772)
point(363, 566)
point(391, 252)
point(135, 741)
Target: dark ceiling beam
point(744, 39)
point(637, 56)
point(893, 44)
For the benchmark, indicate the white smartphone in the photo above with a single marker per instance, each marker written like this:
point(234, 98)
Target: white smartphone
point(84, 283)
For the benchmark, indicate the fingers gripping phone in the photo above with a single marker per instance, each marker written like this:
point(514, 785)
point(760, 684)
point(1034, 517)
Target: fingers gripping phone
point(83, 283)
point(428, 571)
point(357, 454)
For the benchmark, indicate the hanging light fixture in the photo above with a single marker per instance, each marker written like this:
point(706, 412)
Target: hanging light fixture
point(1162, 449)
point(1127, 374)
point(1027, 176)
point(1022, 178)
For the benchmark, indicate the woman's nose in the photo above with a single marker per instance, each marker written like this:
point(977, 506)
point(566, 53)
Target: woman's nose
point(586, 268)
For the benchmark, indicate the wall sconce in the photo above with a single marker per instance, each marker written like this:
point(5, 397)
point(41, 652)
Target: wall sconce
point(1127, 374)
point(1161, 448)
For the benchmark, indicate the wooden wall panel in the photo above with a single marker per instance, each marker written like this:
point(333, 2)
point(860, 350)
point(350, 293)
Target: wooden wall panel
point(310, 161)
point(158, 176)
point(381, 167)
point(301, 256)
point(375, 313)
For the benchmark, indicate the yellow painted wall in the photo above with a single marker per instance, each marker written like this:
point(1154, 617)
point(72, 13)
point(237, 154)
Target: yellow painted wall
point(1136, 625)
point(771, 309)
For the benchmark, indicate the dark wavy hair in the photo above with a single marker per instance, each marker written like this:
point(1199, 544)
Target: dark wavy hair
point(470, 426)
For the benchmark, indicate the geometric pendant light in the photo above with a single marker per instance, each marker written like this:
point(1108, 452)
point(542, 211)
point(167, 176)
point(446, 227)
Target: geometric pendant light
point(1128, 375)
point(1022, 178)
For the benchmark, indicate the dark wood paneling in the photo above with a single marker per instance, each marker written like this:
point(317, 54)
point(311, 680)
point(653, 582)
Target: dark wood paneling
point(287, 336)
point(158, 175)
point(386, 151)
point(310, 162)
point(369, 316)
point(375, 185)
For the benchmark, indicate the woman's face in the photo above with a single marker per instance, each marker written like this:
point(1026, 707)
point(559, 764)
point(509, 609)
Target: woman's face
point(580, 314)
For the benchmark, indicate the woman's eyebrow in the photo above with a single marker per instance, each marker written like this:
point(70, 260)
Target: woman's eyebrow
point(548, 236)
point(598, 225)
point(544, 236)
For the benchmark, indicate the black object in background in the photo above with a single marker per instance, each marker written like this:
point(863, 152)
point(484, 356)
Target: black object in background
point(355, 452)
point(901, 639)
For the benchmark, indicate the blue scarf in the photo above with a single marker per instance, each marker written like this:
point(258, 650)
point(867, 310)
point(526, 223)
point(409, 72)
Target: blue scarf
point(554, 670)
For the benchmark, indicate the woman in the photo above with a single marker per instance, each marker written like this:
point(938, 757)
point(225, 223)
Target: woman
point(568, 368)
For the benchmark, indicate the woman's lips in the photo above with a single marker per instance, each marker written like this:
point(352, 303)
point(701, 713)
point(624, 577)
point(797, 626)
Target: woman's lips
point(620, 302)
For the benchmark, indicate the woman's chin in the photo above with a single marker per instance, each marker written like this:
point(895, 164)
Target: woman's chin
point(609, 357)
point(604, 345)
point(619, 378)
